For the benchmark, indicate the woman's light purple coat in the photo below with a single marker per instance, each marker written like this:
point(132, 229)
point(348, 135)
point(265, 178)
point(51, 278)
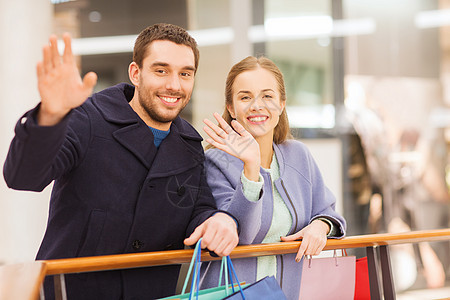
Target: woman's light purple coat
point(301, 187)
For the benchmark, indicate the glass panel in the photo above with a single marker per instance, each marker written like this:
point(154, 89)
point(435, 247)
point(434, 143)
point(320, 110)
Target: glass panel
point(207, 27)
point(300, 44)
point(396, 87)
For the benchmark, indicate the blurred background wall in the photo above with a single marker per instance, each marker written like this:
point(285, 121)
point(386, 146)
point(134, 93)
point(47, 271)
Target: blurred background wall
point(25, 27)
point(368, 87)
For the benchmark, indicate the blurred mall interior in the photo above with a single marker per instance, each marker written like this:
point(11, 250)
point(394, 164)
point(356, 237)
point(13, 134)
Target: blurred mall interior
point(368, 90)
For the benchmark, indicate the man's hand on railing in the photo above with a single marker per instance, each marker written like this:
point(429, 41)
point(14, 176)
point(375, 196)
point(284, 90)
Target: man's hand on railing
point(219, 234)
point(313, 236)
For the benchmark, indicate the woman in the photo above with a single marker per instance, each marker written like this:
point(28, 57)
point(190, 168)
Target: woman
point(267, 180)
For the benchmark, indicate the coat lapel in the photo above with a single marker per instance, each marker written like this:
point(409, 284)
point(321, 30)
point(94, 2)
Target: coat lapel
point(175, 155)
point(138, 139)
point(133, 133)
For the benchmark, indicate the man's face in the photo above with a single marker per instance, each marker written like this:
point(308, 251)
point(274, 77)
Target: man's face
point(164, 84)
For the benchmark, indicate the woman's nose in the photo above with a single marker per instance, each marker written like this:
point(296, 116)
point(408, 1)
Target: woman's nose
point(256, 103)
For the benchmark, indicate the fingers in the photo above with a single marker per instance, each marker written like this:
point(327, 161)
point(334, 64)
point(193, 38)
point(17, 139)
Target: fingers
point(239, 128)
point(310, 246)
point(218, 136)
point(216, 144)
point(214, 131)
point(213, 241)
point(40, 70)
point(228, 249)
point(220, 246)
point(223, 123)
point(220, 133)
point(221, 235)
point(301, 252)
point(292, 237)
point(51, 57)
point(195, 236)
point(218, 234)
point(303, 246)
point(47, 59)
point(215, 140)
point(90, 80)
point(56, 59)
point(312, 242)
point(67, 55)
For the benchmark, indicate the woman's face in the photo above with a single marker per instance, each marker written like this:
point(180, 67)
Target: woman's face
point(256, 102)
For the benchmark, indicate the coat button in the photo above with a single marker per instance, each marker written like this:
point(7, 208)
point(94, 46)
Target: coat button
point(181, 191)
point(137, 244)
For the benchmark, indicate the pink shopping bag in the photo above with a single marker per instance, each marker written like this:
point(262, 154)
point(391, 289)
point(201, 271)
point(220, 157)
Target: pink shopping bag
point(328, 278)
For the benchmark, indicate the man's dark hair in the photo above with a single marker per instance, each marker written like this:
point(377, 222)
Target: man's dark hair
point(162, 31)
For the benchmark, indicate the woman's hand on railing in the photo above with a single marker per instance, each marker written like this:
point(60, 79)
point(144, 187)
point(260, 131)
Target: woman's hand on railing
point(313, 236)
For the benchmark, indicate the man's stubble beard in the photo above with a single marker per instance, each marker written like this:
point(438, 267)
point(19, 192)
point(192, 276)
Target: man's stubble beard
point(151, 107)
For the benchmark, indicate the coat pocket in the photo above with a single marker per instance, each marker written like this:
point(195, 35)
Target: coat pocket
point(92, 233)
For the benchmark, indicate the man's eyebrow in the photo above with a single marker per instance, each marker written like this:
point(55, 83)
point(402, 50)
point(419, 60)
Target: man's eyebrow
point(164, 64)
point(244, 92)
point(189, 68)
point(159, 64)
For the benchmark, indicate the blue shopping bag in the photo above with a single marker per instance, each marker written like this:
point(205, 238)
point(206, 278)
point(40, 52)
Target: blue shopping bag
point(219, 292)
point(266, 288)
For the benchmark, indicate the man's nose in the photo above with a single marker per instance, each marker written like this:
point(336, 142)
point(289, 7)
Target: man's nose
point(173, 82)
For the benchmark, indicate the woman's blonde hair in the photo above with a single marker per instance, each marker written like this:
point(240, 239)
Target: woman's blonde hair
point(282, 130)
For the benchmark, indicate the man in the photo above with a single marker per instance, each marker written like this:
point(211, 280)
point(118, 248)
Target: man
point(128, 171)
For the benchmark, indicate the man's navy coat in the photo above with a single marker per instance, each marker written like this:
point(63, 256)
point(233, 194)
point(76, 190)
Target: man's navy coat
point(114, 191)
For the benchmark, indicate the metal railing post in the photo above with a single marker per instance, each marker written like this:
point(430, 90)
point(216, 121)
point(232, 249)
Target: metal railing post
point(372, 264)
point(60, 287)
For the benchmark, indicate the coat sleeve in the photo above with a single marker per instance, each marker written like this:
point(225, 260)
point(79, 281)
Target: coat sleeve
point(323, 200)
point(224, 179)
point(40, 154)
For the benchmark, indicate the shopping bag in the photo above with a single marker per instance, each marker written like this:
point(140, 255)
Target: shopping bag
point(328, 278)
point(215, 293)
point(266, 288)
point(362, 285)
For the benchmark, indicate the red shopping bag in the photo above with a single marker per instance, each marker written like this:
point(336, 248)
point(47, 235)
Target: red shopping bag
point(362, 286)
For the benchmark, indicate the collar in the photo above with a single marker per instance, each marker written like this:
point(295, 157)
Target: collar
point(280, 158)
point(134, 134)
point(113, 104)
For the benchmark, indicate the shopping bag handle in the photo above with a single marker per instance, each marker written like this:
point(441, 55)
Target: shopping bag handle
point(196, 275)
point(230, 264)
point(226, 268)
point(335, 256)
point(191, 265)
point(195, 264)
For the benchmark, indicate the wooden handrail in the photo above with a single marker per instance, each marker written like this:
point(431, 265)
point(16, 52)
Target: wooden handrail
point(125, 261)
